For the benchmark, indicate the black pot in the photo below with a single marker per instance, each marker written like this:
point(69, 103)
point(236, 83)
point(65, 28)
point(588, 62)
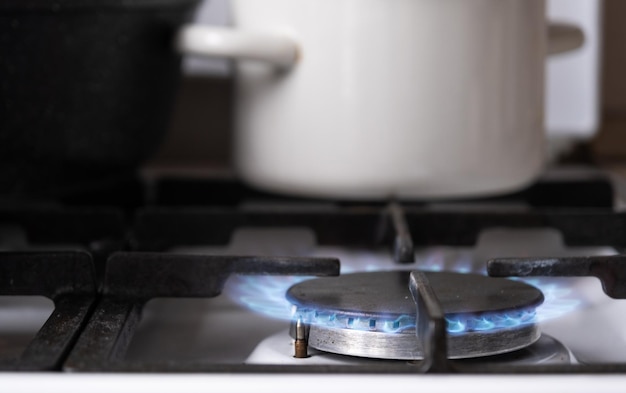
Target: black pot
point(86, 88)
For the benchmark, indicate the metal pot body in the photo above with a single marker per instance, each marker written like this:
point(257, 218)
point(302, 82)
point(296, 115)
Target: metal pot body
point(395, 99)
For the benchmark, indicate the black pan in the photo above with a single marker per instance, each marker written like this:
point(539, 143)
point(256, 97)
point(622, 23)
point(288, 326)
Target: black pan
point(86, 88)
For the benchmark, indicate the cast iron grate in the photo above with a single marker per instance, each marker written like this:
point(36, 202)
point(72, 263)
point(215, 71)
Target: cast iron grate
point(160, 229)
point(102, 345)
point(579, 190)
point(106, 338)
point(67, 278)
point(104, 342)
point(97, 230)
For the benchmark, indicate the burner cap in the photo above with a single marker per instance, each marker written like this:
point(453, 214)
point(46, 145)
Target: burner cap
point(373, 314)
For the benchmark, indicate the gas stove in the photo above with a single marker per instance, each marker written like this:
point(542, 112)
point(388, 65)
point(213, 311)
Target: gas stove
point(207, 283)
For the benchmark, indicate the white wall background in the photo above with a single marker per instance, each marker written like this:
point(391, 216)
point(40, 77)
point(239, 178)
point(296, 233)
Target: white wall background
point(572, 89)
point(213, 12)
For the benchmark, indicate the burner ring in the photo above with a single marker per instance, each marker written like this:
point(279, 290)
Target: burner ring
point(405, 346)
point(373, 314)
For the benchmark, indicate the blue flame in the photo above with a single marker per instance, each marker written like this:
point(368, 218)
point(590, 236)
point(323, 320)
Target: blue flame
point(558, 301)
point(343, 321)
point(467, 323)
point(266, 295)
point(455, 323)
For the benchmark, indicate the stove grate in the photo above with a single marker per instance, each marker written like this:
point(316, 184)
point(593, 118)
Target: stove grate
point(68, 279)
point(104, 342)
point(102, 326)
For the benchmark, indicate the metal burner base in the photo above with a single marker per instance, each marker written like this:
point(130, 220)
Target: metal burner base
point(278, 349)
point(405, 346)
point(373, 314)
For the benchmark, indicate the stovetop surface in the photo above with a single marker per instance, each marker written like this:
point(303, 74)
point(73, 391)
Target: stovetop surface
point(569, 301)
point(235, 327)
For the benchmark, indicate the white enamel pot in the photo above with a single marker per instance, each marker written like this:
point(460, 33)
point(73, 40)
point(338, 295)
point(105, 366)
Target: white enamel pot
point(371, 99)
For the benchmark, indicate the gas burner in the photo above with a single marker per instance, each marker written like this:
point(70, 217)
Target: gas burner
point(278, 349)
point(373, 314)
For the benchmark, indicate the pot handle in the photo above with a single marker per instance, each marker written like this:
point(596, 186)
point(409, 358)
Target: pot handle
point(276, 49)
point(282, 51)
point(564, 38)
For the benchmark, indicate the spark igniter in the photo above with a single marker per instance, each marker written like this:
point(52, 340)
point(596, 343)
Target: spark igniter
point(301, 344)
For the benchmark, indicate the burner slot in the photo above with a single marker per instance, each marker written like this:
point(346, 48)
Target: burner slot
point(67, 278)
